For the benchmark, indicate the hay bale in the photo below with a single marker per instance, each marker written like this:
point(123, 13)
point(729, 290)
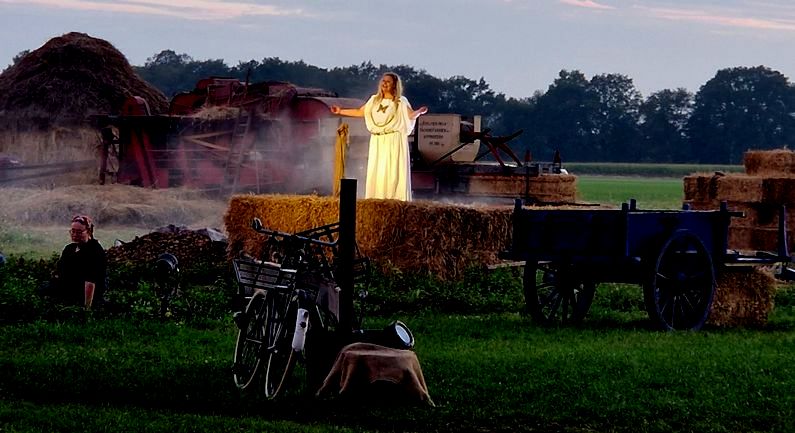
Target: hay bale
point(722, 187)
point(558, 188)
point(756, 238)
point(739, 188)
point(697, 187)
point(767, 162)
point(743, 297)
point(67, 79)
point(425, 237)
point(779, 190)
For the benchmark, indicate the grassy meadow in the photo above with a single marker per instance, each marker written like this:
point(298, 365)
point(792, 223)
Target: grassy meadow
point(649, 192)
point(488, 367)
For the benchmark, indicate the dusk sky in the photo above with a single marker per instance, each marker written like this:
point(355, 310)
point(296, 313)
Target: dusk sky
point(517, 46)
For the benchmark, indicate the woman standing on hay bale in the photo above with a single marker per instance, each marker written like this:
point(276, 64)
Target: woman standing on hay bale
point(390, 120)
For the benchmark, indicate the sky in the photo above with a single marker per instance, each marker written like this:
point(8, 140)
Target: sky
point(517, 46)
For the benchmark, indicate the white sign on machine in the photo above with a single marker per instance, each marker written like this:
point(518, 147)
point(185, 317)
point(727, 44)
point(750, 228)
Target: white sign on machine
point(439, 138)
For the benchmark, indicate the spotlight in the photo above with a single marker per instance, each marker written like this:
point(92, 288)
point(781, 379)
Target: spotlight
point(166, 264)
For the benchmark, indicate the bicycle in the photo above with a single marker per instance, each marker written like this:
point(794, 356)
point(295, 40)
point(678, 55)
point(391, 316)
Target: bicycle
point(292, 311)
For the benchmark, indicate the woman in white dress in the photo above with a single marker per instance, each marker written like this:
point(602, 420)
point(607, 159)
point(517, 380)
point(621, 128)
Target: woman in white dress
point(390, 120)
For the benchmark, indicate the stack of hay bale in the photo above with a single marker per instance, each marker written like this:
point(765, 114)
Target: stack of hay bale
point(746, 296)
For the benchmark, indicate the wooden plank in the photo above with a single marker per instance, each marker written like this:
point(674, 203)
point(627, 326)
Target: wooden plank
point(507, 264)
point(200, 142)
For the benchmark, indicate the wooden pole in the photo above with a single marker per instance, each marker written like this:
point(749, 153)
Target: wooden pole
point(347, 247)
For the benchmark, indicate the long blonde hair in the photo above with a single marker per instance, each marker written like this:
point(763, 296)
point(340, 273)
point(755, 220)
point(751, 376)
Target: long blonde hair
point(398, 87)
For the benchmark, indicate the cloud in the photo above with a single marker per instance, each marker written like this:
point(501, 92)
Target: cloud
point(720, 19)
point(588, 4)
point(185, 9)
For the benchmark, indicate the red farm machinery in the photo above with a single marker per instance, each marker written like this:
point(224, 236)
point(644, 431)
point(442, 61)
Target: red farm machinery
point(226, 136)
point(274, 137)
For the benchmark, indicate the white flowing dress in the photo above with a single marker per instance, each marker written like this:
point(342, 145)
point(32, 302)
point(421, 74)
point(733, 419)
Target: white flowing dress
point(389, 159)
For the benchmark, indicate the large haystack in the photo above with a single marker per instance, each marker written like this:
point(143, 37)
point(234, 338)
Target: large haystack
point(71, 77)
point(46, 97)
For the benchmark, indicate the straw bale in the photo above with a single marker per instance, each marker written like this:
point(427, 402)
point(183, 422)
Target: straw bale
point(419, 236)
point(779, 190)
point(756, 238)
point(696, 187)
point(723, 187)
point(769, 162)
point(743, 297)
point(546, 188)
point(700, 187)
point(739, 187)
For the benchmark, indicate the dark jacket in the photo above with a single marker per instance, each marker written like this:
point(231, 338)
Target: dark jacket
point(80, 263)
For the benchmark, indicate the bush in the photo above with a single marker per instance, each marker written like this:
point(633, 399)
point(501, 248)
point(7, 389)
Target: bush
point(131, 293)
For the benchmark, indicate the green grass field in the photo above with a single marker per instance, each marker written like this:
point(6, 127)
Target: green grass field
point(649, 192)
point(488, 368)
point(493, 372)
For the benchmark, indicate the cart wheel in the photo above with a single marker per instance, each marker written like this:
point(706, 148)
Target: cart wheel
point(554, 297)
point(679, 293)
point(248, 349)
point(280, 327)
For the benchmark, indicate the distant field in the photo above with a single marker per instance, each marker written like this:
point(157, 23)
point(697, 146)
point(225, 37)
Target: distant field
point(646, 170)
point(649, 192)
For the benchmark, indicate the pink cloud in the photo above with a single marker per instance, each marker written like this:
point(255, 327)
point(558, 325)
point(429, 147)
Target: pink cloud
point(721, 20)
point(589, 4)
point(186, 9)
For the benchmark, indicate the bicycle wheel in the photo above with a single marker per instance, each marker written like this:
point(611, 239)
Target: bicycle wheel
point(280, 327)
point(248, 349)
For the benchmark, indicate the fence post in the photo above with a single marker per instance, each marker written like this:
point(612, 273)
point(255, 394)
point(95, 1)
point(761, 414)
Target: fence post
point(347, 246)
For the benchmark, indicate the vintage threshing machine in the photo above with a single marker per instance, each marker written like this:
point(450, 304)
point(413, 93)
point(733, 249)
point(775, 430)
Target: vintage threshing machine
point(226, 136)
point(229, 136)
point(448, 162)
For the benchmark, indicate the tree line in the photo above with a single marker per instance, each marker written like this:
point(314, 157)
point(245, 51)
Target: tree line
point(604, 118)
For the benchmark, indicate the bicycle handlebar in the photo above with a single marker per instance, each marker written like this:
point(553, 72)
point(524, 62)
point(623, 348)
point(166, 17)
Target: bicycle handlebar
point(256, 224)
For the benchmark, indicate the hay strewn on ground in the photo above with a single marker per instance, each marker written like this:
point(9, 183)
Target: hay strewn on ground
point(111, 205)
point(419, 236)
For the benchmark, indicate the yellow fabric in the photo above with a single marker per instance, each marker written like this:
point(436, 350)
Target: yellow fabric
point(340, 146)
point(389, 157)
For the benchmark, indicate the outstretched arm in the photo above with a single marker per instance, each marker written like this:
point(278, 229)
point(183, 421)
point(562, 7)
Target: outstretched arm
point(418, 112)
point(350, 112)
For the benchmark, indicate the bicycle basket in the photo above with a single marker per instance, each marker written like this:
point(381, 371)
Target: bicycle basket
point(254, 274)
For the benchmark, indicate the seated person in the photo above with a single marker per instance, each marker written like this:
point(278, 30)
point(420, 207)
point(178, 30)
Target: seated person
point(80, 275)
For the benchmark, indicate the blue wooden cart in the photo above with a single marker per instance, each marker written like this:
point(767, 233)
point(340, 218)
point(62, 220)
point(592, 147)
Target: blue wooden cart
point(673, 254)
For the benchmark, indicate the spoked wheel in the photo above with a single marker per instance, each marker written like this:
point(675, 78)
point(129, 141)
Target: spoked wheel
point(680, 290)
point(279, 354)
point(250, 340)
point(556, 296)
